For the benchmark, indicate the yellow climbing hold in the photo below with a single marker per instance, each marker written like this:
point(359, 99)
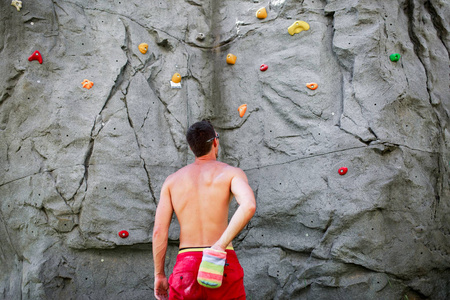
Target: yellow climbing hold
point(231, 59)
point(17, 4)
point(298, 27)
point(261, 13)
point(143, 48)
point(176, 78)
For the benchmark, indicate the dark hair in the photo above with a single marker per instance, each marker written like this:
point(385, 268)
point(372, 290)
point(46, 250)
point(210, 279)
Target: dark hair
point(197, 136)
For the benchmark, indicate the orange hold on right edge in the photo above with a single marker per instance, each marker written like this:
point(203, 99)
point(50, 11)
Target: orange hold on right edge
point(87, 84)
point(312, 85)
point(242, 109)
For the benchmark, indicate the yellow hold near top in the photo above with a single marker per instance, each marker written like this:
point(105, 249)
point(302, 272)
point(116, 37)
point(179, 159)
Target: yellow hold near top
point(298, 27)
point(261, 13)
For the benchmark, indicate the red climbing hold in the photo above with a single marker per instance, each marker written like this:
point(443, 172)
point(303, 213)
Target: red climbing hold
point(263, 67)
point(123, 234)
point(36, 56)
point(343, 171)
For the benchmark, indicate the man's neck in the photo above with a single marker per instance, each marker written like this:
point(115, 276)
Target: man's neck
point(206, 158)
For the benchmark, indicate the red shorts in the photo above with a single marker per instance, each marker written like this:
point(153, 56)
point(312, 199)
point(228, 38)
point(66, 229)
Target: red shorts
point(183, 281)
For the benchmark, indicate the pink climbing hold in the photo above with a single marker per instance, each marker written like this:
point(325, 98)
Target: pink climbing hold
point(36, 56)
point(343, 171)
point(263, 67)
point(123, 234)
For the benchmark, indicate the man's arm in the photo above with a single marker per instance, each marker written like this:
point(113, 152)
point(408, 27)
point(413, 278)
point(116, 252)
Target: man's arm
point(247, 206)
point(163, 217)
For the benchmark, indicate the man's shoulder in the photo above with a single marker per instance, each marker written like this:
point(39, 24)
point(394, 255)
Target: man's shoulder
point(226, 166)
point(232, 171)
point(177, 174)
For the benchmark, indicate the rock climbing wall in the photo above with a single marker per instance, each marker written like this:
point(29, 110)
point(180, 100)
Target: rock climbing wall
point(345, 146)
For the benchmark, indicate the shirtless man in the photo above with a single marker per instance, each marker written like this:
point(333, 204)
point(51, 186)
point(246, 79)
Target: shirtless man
point(200, 194)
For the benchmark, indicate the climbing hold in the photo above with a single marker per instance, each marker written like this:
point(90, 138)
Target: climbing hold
point(123, 234)
point(394, 57)
point(200, 36)
point(263, 67)
point(242, 109)
point(17, 4)
point(231, 59)
point(143, 48)
point(298, 27)
point(36, 56)
point(176, 78)
point(261, 13)
point(175, 83)
point(343, 171)
point(312, 85)
point(87, 84)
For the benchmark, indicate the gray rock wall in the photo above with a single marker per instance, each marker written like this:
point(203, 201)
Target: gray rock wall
point(78, 166)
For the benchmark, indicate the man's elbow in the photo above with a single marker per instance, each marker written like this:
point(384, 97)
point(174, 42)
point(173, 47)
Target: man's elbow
point(250, 209)
point(159, 233)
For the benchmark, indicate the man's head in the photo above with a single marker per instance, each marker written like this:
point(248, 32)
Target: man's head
point(201, 136)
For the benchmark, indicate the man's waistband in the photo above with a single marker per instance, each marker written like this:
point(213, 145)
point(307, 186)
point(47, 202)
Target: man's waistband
point(198, 249)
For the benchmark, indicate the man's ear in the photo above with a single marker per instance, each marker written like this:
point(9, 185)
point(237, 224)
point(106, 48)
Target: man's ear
point(215, 143)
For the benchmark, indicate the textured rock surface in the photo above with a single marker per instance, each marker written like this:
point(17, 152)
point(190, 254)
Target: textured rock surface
point(78, 165)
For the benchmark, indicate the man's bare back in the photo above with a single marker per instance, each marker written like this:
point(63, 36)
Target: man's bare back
point(201, 194)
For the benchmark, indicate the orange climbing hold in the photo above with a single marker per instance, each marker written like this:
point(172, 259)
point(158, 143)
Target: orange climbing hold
point(176, 78)
point(242, 109)
point(143, 48)
point(261, 13)
point(231, 59)
point(312, 85)
point(87, 84)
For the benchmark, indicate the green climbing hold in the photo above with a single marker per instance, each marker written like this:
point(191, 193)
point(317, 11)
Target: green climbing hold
point(394, 57)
